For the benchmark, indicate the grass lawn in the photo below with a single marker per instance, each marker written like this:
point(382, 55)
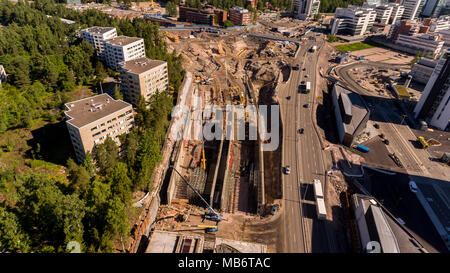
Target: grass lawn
point(354, 46)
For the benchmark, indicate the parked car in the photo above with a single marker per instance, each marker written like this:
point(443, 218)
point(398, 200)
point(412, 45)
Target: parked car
point(413, 187)
point(288, 97)
point(306, 105)
point(274, 209)
point(287, 170)
point(386, 141)
point(301, 130)
point(296, 67)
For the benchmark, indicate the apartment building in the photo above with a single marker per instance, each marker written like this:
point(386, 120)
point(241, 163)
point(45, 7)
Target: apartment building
point(91, 120)
point(122, 49)
point(439, 24)
point(397, 12)
point(353, 20)
point(412, 9)
point(143, 77)
point(432, 8)
point(433, 105)
point(403, 27)
point(202, 16)
point(96, 36)
point(445, 34)
point(240, 16)
point(431, 44)
point(304, 9)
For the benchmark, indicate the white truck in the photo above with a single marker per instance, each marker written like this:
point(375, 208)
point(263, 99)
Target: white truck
point(313, 49)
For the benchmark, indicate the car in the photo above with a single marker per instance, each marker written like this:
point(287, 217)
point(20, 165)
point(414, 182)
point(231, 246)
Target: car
point(287, 170)
point(301, 130)
point(296, 67)
point(303, 82)
point(306, 76)
point(413, 187)
point(304, 68)
point(288, 97)
point(274, 209)
point(386, 141)
point(306, 105)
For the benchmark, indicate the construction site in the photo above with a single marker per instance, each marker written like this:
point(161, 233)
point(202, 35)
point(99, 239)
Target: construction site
point(223, 176)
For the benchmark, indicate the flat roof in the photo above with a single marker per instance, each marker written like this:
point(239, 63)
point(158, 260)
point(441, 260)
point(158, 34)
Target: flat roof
point(122, 40)
point(138, 66)
point(359, 109)
point(88, 110)
point(98, 30)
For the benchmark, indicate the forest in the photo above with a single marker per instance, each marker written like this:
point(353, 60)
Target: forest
point(45, 59)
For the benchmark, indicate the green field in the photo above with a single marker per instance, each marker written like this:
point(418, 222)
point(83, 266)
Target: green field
point(354, 46)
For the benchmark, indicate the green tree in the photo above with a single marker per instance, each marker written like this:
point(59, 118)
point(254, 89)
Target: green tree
point(121, 184)
point(106, 155)
point(118, 95)
point(12, 236)
point(228, 23)
point(79, 177)
point(171, 9)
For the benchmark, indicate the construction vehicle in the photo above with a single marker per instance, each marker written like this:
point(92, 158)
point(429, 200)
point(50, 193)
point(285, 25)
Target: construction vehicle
point(206, 227)
point(220, 48)
point(203, 158)
point(423, 142)
point(174, 38)
point(362, 148)
point(212, 215)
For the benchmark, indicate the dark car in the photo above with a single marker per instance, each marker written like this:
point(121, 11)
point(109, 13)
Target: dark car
point(296, 67)
point(386, 141)
point(288, 97)
point(301, 130)
point(302, 82)
point(274, 209)
point(306, 105)
point(304, 68)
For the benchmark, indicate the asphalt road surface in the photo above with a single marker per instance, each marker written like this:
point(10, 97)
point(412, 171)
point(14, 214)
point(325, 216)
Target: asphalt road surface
point(301, 231)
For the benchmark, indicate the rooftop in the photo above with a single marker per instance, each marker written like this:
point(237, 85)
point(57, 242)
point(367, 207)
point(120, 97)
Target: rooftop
point(82, 112)
point(358, 108)
point(138, 66)
point(123, 40)
point(98, 30)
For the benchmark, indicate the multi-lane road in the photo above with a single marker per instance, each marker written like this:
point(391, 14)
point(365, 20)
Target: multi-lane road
point(301, 231)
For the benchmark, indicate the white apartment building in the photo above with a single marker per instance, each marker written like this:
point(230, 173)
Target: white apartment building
point(96, 36)
point(397, 12)
point(384, 12)
point(122, 49)
point(412, 9)
point(425, 42)
point(91, 120)
point(304, 9)
point(353, 20)
point(441, 23)
point(143, 77)
point(434, 106)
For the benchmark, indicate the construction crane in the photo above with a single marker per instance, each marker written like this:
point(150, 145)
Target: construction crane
point(153, 5)
point(214, 216)
point(208, 228)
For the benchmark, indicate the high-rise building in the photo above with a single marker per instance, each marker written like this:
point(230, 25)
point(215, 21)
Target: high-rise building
point(240, 16)
point(304, 9)
point(397, 13)
point(353, 20)
point(122, 49)
point(96, 36)
point(142, 77)
point(432, 8)
point(412, 9)
point(433, 105)
point(91, 120)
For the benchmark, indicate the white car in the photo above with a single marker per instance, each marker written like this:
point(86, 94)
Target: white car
point(287, 170)
point(413, 187)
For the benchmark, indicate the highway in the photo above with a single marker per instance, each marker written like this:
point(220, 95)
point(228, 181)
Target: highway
point(301, 231)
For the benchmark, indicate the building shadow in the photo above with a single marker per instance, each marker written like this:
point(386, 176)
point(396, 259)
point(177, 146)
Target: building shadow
point(51, 143)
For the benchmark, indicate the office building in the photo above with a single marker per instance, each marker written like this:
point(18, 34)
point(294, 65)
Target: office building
point(430, 44)
point(91, 120)
point(351, 114)
point(353, 20)
point(240, 16)
point(202, 16)
point(304, 9)
point(422, 70)
point(96, 36)
point(412, 9)
point(433, 106)
point(142, 77)
point(122, 49)
point(432, 8)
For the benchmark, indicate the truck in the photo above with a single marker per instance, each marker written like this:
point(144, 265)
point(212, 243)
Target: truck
point(318, 193)
point(313, 49)
point(307, 87)
point(362, 148)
